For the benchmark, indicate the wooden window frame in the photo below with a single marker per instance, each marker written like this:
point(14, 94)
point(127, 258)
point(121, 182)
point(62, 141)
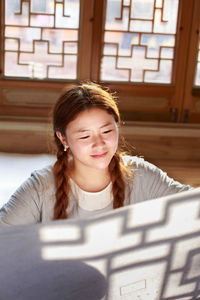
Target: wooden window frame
point(170, 100)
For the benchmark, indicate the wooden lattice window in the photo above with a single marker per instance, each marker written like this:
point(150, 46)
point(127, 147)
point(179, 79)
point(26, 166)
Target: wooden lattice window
point(139, 41)
point(41, 39)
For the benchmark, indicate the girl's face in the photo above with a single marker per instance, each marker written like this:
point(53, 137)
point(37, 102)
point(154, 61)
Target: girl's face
point(92, 138)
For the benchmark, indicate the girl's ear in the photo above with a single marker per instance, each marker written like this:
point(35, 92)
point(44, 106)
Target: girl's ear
point(61, 138)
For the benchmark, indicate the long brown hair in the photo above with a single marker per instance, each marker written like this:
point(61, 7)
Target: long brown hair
point(69, 105)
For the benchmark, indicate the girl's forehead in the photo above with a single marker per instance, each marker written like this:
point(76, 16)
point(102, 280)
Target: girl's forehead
point(92, 114)
point(91, 118)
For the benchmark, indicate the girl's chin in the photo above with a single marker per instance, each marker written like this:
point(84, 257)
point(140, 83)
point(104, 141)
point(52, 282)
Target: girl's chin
point(101, 166)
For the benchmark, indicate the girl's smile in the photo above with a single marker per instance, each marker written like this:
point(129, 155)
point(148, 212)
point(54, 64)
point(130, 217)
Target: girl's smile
point(99, 155)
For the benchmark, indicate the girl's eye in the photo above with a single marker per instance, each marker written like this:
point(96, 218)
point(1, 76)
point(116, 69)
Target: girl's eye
point(84, 137)
point(107, 131)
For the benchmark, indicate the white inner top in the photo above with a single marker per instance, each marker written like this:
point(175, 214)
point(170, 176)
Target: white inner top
point(92, 201)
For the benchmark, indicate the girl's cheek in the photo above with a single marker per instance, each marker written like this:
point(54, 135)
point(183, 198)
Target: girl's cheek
point(82, 145)
point(114, 138)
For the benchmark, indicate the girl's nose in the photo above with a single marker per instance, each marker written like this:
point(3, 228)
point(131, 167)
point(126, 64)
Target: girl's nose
point(98, 140)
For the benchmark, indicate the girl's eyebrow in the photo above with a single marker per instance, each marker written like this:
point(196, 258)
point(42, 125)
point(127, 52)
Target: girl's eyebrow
point(81, 130)
point(84, 129)
point(107, 124)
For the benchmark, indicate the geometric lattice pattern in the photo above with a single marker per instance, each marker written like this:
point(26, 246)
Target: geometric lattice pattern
point(151, 251)
point(147, 251)
point(41, 38)
point(139, 40)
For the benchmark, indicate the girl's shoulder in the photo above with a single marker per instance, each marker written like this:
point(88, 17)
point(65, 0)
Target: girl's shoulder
point(135, 162)
point(140, 166)
point(43, 178)
point(44, 172)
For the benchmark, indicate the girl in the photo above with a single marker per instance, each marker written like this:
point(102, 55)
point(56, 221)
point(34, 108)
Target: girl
point(91, 174)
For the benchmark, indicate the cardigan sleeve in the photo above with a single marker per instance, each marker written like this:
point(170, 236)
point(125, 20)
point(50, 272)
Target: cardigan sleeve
point(24, 206)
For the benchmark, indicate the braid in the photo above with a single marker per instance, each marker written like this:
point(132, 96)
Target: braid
point(117, 172)
point(62, 185)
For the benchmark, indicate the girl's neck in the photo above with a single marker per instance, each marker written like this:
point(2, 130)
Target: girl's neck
point(90, 180)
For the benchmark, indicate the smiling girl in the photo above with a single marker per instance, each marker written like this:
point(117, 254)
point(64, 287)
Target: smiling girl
point(91, 175)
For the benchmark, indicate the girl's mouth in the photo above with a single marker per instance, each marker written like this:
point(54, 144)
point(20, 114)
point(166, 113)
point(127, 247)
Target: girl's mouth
point(99, 155)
